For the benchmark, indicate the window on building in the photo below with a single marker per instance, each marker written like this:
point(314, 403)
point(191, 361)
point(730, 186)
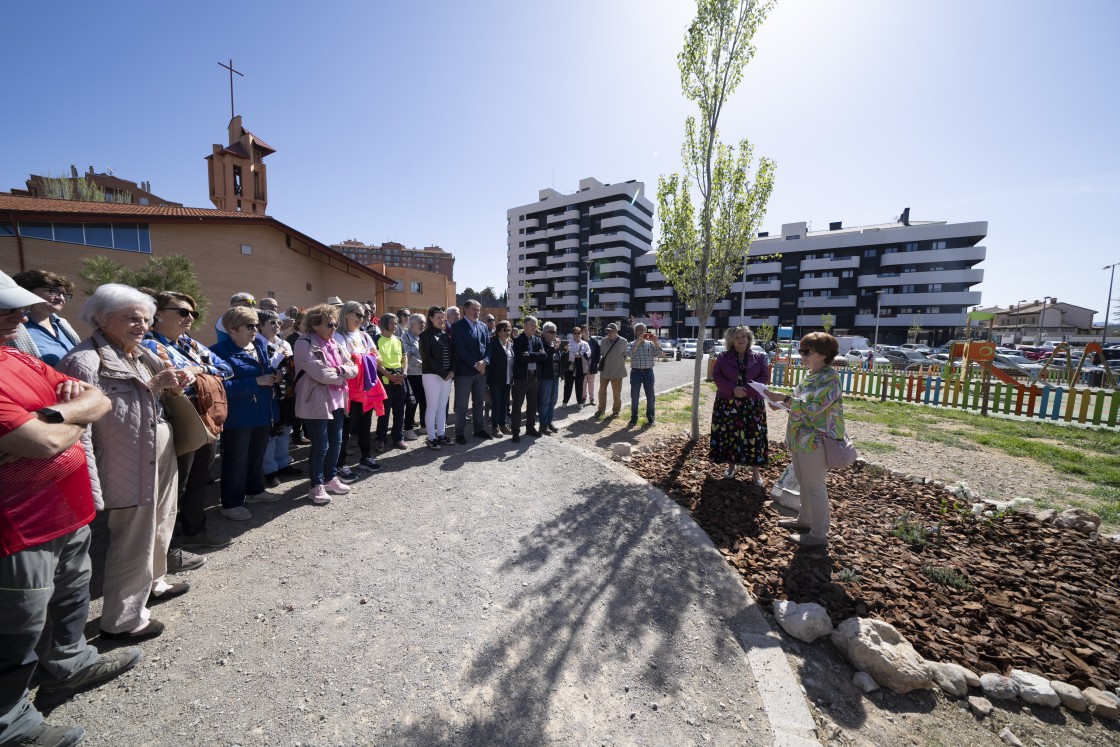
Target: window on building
point(829, 255)
point(237, 180)
point(847, 273)
point(907, 289)
point(909, 269)
point(828, 274)
point(890, 250)
point(416, 286)
point(933, 310)
point(935, 287)
point(870, 253)
point(912, 247)
point(826, 293)
point(791, 238)
point(939, 244)
point(810, 256)
point(520, 283)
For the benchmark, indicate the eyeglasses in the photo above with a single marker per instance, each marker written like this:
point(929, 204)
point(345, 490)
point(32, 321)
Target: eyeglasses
point(332, 325)
point(52, 292)
point(182, 312)
point(805, 351)
point(22, 312)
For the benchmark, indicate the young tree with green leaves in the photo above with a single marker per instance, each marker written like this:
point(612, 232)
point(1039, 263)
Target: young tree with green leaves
point(527, 309)
point(827, 322)
point(702, 252)
point(915, 329)
point(764, 333)
point(175, 272)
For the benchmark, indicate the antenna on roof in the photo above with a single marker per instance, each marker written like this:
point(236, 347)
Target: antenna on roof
point(109, 170)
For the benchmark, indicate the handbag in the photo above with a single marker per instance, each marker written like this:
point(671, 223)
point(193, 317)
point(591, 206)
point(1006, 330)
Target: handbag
point(191, 434)
point(838, 454)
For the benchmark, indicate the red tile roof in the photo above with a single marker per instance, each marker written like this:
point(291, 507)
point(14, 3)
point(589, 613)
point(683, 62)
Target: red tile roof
point(258, 142)
point(13, 207)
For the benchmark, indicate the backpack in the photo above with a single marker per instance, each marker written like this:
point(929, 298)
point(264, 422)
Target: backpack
point(211, 402)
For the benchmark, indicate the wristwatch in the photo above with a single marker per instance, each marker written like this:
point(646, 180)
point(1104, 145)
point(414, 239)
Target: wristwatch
point(52, 416)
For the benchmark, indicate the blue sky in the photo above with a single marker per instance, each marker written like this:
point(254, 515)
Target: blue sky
point(423, 122)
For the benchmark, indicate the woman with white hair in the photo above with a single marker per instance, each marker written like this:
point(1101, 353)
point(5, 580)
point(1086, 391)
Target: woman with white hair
point(135, 456)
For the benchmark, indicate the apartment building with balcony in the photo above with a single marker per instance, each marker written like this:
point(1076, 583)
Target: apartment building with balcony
point(893, 274)
point(554, 243)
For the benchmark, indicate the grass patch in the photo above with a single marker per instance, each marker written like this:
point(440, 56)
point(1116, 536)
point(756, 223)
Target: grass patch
point(876, 447)
point(914, 533)
point(950, 577)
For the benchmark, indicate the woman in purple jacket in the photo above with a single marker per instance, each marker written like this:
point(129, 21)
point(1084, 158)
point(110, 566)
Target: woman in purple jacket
point(739, 417)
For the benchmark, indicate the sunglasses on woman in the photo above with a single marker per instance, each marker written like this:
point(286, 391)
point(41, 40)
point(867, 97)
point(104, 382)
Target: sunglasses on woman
point(182, 312)
point(804, 351)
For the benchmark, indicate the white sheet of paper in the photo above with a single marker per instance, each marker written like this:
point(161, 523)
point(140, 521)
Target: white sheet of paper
point(759, 387)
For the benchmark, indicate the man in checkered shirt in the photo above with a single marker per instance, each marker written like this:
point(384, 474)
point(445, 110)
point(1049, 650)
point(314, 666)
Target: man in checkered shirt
point(643, 352)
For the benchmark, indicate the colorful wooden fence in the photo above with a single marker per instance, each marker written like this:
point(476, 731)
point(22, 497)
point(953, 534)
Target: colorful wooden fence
point(1084, 405)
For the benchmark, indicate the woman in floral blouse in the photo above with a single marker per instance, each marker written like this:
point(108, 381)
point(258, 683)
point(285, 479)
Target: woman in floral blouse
point(815, 411)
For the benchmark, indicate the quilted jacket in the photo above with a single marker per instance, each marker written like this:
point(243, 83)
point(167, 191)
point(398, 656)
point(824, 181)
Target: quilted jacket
point(124, 440)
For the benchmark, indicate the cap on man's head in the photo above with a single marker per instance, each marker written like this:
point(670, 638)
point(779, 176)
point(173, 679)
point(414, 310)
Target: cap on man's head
point(612, 327)
point(242, 297)
point(14, 297)
point(334, 301)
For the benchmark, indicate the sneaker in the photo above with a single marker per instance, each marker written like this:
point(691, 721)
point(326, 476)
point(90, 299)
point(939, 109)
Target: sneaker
point(532, 432)
point(553, 428)
point(237, 513)
point(434, 445)
point(369, 464)
point(205, 539)
point(379, 445)
point(410, 435)
point(544, 431)
point(345, 473)
point(806, 540)
point(51, 735)
point(444, 438)
point(263, 498)
point(271, 480)
point(649, 421)
point(460, 439)
point(318, 495)
point(504, 429)
point(399, 445)
point(336, 486)
point(109, 665)
point(179, 559)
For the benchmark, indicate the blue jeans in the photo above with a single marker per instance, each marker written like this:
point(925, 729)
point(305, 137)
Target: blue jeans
point(243, 463)
point(326, 443)
point(276, 456)
point(547, 390)
point(641, 378)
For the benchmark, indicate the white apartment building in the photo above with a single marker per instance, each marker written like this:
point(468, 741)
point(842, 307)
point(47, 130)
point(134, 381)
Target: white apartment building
point(556, 244)
point(892, 275)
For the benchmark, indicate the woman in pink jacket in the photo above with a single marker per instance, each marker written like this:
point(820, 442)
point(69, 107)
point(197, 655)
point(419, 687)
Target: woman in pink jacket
point(322, 370)
point(739, 417)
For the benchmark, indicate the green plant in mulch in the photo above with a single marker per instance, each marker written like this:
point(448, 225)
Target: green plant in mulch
point(847, 575)
point(950, 577)
point(913, 532)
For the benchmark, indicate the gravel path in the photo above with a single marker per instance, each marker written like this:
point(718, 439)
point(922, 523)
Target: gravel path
point(480, 595)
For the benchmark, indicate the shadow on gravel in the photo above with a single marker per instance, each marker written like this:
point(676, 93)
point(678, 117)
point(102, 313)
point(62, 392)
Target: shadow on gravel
point(614, 585)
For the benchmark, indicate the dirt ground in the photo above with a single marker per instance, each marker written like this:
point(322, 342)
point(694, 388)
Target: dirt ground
point(925, 718)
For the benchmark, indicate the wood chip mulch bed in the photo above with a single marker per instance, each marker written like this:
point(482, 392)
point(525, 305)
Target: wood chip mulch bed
point(1042, 598)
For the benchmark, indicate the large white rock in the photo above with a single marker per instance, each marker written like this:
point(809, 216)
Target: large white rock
point(999, 687)
point(806, 622)
point(1070, 696)
point(1104, 704)
point(875, 647)
point(1035, 689)
point(950, 677)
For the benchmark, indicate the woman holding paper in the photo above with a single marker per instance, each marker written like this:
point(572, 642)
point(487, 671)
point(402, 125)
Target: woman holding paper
point(815, 411)
point(739, 434)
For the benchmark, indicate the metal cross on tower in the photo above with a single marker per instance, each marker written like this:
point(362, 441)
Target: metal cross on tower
point(231, 72)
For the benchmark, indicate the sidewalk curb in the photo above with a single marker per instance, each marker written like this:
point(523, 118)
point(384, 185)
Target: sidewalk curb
point(785, 702)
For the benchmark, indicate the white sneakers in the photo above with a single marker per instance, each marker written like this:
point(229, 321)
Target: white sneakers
point(337, 486)
point(318, 495)
point(237, 513)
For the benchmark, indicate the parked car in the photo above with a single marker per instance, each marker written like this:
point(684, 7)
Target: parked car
point(858, 357)
point(716, 349)
point(905, 357)
point(917, 347)
point(669, 350)
point(1016, 363)
point(710, 343)
point(688, 349)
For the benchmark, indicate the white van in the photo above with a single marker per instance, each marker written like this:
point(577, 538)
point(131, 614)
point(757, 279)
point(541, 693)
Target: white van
point(849, 342)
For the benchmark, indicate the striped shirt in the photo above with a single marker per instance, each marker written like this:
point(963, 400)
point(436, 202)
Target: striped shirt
point(816, 408)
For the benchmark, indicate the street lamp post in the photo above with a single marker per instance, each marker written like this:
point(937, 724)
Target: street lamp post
point(588, 261)
point(743, 295)
point(878, 306)
point(1108, 305)
point(1018, 334)
point(1042, 317)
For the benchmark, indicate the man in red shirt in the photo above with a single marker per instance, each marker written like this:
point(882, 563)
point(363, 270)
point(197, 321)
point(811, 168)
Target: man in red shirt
point(46, 505)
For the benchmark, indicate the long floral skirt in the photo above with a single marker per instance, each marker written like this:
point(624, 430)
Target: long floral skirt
point(739, 432)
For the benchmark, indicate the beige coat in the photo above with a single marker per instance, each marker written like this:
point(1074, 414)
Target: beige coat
point(124, 440)
point(612, 364)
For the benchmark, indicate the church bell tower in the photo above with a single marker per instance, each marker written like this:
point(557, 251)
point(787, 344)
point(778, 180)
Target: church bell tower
point(238, 176)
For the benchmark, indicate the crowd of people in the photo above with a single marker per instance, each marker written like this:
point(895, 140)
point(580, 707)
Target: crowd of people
point(97, 424)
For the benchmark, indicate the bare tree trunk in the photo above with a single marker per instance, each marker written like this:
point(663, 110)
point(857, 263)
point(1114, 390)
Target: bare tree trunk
point(698, 372)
